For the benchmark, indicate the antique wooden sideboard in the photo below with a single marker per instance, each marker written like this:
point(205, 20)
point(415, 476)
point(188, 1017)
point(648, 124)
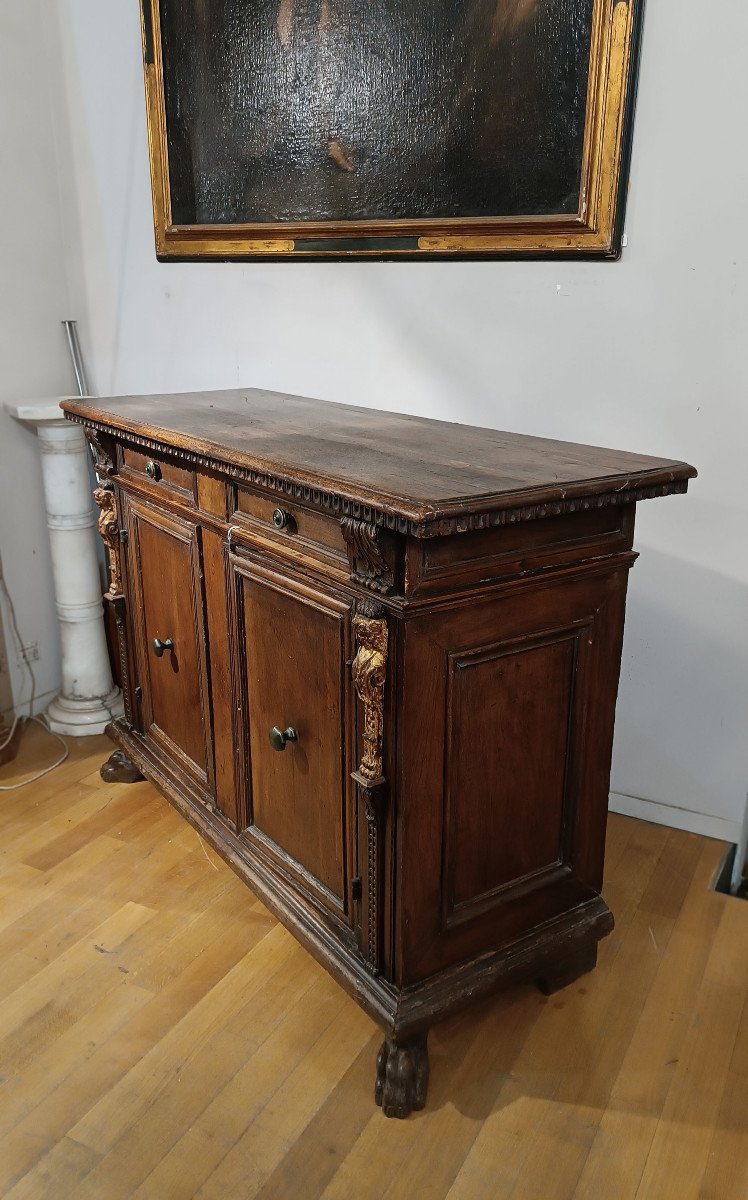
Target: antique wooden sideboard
point(374, 659)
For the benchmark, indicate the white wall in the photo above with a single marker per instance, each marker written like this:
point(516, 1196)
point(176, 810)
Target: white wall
point(33, 358)
point(648, 354)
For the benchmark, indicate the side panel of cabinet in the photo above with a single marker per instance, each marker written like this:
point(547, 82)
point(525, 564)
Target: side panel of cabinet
point(167, 595)
point(509, 708)
point(507, 726)
point(295, 663)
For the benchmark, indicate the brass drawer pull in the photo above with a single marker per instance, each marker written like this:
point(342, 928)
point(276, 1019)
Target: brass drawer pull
point(159, 646)
point(152, 469)
point(281, 518)
point(279, 737)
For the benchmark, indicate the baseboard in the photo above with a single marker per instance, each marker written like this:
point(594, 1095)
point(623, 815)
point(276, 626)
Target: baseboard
point(677, 818)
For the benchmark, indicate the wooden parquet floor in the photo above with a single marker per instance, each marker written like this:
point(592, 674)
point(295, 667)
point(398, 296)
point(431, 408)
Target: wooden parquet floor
point(162, 1037)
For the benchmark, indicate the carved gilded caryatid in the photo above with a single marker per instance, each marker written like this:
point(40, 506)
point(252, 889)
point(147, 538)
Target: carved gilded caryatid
point(118, 769)
point(109, 530)
point(369, 676)
point(369, 673)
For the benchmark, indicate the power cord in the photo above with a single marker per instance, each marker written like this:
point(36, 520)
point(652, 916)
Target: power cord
point(12, 787)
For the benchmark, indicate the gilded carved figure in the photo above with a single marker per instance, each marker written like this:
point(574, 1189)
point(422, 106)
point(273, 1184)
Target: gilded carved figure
point(109, 530)
point(369, 673)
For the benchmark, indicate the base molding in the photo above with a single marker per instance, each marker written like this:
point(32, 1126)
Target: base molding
point(552, 956)
point(83, 717)
point(562, 949)
point(658, 813)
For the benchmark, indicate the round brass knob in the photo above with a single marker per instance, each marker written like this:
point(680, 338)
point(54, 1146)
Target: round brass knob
point(159, 646)
point(281, 519)
point(279, 737)
point(152, 469)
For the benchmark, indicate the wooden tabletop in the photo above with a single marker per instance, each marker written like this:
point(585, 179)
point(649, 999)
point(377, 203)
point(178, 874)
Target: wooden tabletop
point(413, 467)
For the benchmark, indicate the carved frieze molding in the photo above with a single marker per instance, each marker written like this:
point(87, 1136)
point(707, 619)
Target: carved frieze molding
point(332, 502)
point(368, 564)
point(551, 508)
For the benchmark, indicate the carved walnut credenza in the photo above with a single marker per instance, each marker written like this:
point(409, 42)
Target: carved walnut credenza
point(374, 659)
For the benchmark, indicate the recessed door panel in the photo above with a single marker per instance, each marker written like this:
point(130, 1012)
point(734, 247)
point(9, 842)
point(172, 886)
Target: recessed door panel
point(297, 695)
point(170, 638)
point(508, 708)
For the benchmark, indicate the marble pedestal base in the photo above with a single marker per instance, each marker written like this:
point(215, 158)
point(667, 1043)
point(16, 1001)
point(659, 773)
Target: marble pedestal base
point(76, 717)
point(88, 699)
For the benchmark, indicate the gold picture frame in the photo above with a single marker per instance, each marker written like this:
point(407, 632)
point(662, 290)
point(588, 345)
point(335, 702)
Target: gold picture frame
point(594, 230)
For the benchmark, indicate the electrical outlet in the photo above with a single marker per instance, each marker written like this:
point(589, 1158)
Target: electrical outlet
point(29, 653)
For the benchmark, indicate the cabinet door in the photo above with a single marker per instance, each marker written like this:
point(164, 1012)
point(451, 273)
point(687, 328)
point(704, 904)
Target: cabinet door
point(167, 592)
point(297, 644)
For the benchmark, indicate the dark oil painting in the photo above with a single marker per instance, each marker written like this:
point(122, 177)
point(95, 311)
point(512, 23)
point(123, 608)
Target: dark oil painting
point(368, 110)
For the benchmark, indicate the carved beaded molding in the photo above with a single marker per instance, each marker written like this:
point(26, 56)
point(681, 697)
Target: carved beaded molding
point(339, 506)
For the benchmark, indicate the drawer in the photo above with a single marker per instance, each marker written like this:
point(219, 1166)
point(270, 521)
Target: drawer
point(288, 529)
point(506, 551)
point(159, 472)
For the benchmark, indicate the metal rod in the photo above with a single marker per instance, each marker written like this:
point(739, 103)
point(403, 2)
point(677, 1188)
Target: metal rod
point(740, 861)
point(71, 329)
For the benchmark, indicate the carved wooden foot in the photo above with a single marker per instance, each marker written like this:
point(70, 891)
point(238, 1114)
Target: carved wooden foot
point(119, 769)
point(402, 1076)
point(566, 970)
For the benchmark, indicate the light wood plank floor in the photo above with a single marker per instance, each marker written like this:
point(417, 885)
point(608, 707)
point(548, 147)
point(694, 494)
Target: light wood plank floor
point(161, 1037)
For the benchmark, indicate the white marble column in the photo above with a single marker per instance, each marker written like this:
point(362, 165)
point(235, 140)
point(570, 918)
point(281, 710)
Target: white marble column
point(88, 699)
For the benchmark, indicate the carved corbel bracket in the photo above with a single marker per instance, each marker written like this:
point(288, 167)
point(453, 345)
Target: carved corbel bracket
point(103, 452)
point(369, 672)
point(368, 564)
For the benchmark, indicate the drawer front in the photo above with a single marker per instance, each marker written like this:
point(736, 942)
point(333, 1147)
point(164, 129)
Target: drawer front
point(157, 471)
point(297, 644)
point(166, 583)
point(289, 531)
point(441, 563)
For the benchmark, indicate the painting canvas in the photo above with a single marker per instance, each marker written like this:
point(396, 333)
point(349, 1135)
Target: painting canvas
point(387, 127)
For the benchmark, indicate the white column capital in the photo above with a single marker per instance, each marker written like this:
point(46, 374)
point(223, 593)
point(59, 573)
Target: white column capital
point(38, 412)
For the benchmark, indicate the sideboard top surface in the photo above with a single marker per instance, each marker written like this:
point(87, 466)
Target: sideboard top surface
point(413, 468)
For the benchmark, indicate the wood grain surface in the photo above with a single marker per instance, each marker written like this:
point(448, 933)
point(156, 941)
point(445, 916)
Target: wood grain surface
point(410, 466)
point(161, 1035)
